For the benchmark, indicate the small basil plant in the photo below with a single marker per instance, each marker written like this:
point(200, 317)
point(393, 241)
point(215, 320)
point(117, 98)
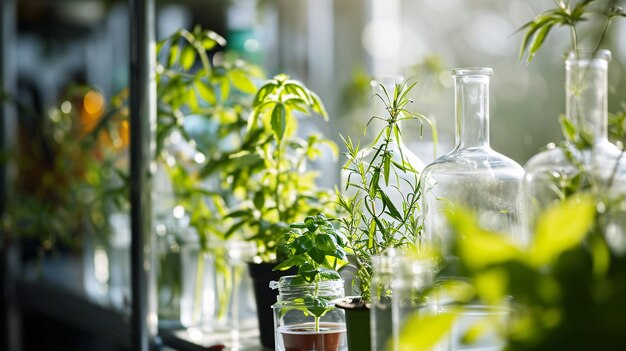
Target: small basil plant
point(317, 249)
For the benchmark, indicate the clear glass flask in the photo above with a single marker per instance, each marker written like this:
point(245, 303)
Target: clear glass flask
point(587, 161)
point(472, 175)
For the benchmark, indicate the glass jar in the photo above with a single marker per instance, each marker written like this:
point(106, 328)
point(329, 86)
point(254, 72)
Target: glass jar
point(397, 186)
point(586, 162)
point(383, 267)
point(398, 285)
point(297, 328)
point(472, 175)
point(412, 278)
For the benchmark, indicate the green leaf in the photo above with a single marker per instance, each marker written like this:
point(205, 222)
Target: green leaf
point(478, 248)
point(174, 51)
point(192, 99)
point(206, 92)
point(239, 79)
point(391, 208)
point(562, 227)
point(302, 244)
point(188, 57)
point(224, 89)
point(279, 121)
point(386, 165)
point(326, 243)
point(538, 40)
point(259, 199)
point(424, 332)
point(317, 255)
point(318, 106)
point(329, 275)
point(290, 262)
point(567, 127)
point(308, 271)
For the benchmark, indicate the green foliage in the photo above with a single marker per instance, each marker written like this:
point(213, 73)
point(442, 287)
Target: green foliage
point(65, 168)
point(373, 222)
point(569, 14)
point(268, 173)
point(561, 299)
point(257, 182)
point(317, 248)
point(617, 126)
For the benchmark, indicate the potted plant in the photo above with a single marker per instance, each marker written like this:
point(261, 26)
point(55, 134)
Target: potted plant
point(305, 316)
point(269, 175)
point(373, 222)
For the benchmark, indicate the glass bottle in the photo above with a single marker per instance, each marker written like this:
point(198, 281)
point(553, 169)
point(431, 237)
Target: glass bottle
point(412, 277)
point(472, 175)
point(383, 267)
point(296, 328)
point(398, 150)
point(586, 162)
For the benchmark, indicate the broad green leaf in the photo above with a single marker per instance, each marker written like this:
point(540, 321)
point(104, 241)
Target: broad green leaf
point(192, 99)
point(302, 244)
point(318, 106)
point(492, 285)
point(259, 199)
point(224, 89)
point(279, 121)
point(174, 51)
point(326, 243)
point(317, 255)
point(562, 227)
point(290, 262)
point(424, 332)
point(479, 248)
point(239, 79)
point(206, 92)
point(188, 57)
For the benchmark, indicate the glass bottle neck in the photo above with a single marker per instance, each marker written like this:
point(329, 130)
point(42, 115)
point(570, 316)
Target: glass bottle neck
point(471, 96)
point(586, 89)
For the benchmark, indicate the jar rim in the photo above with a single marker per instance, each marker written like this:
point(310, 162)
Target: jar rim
point(589, 55)
point(472, 71)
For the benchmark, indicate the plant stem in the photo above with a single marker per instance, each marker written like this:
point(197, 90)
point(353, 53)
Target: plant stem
point(317, 319)
point(197, 294)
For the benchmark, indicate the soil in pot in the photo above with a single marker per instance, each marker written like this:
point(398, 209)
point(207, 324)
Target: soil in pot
point(330, 337)
point(262, 274)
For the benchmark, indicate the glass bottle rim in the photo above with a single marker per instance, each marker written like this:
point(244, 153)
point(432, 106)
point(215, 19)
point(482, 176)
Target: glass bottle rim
point(284, 284)
point(472, 72)
point(589, 55)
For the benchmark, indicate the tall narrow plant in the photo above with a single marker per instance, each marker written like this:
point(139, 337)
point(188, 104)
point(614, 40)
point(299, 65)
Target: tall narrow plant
point(373, 222)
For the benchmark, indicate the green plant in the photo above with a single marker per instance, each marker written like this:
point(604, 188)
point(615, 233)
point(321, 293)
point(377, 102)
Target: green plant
point(373, 222)
point(269, 175)
point(566, 294)
point(570, 14)
point(317, 248)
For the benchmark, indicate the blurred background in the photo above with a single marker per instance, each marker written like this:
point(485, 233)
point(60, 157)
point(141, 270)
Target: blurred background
point(70, 62)
point(334, 47)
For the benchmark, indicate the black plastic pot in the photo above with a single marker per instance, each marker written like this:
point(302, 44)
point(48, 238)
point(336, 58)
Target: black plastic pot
point(262, 274)
point(357, 323)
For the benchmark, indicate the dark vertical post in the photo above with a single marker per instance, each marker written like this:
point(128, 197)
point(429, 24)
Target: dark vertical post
point(7, 82)
point(142, 149)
